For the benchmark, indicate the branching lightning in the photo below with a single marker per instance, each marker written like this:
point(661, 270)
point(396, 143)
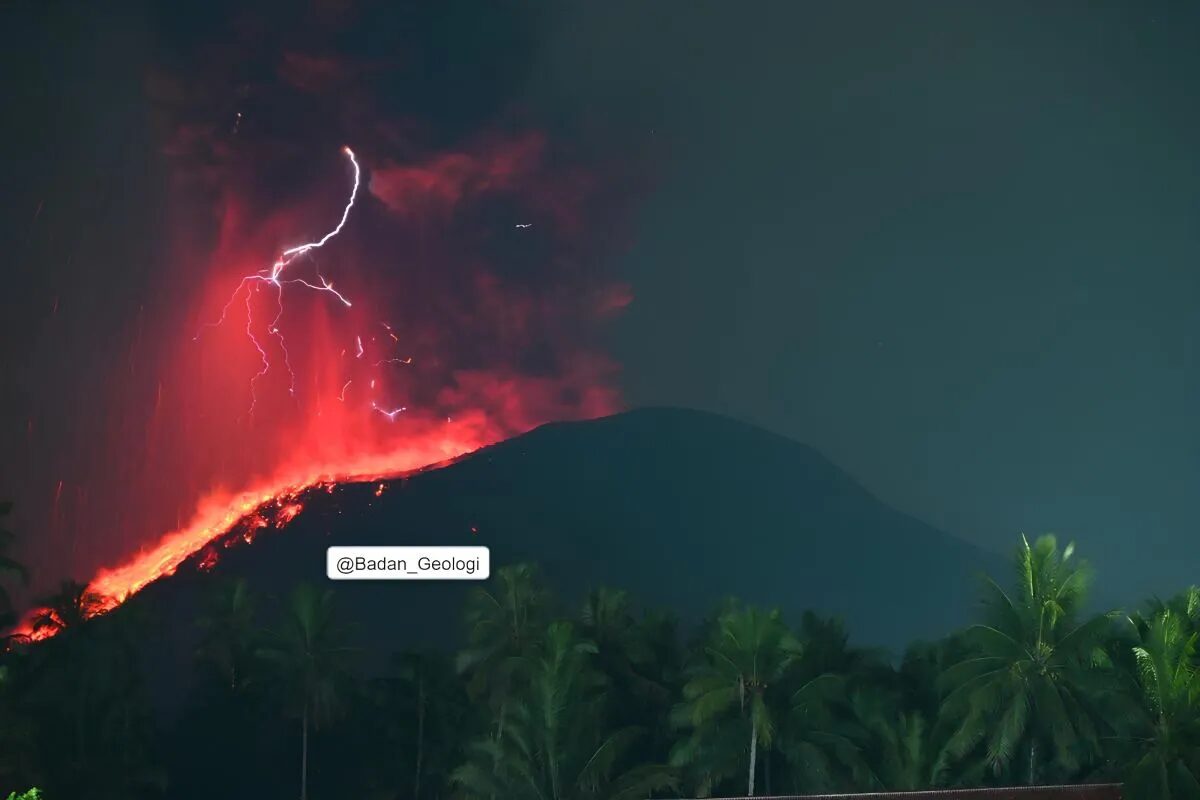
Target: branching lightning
point(275, 278)
point(391, 415)
point(252, 284)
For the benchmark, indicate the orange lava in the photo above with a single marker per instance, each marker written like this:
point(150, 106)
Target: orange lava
point(264, 391)
point(221, 511)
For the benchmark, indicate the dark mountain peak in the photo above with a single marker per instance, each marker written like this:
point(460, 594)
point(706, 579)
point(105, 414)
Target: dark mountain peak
point(684, 431)
point(680, 507)
point(681, 447)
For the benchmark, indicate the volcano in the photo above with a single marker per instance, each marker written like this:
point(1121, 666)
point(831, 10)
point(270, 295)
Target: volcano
point(681, 508)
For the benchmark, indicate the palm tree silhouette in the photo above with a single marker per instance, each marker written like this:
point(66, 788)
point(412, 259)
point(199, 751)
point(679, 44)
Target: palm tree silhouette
point(502, 624)
point(1023, 686)
point(734, 686)
point(311, 657)
point(230, 636)
point(1164, 734)
point(557, 745)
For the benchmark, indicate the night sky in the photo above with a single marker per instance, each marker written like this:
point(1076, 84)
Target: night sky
point(953, 246)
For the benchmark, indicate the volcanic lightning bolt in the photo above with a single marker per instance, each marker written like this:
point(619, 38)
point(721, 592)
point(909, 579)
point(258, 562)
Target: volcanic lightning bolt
point(273, 276)
point(308, 452)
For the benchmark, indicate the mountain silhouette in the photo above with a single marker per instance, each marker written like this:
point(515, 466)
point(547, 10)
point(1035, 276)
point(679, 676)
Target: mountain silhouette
point(681, 508)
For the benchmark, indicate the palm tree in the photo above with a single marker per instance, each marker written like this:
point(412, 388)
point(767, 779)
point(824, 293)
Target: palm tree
point(660, 675)
point(501, 626)
point(229, 633)
point(87, 692)
point(67, 609)
point(17, 730)
point(8, 566)
point(817, 736)
point(310, 654)
point(734, 686)
point(557, 745)
point(608, 622)
point(626, 649)
point(425, 709)
point(78, 667)
point(1026, 685)
point(827, 650)
point(125, 765)
point(898, 743)
point(1184, 607)
point(919, 678)
point(903, 736)
point(1165, 736)
point(641, 659)
point(415, 671)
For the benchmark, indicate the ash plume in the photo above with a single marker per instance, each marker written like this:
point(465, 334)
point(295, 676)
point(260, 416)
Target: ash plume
point(463, 329)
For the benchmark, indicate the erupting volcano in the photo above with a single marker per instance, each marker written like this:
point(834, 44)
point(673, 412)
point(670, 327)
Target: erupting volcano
point(434, 349)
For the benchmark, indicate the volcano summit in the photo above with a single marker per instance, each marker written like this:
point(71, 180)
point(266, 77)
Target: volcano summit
point(637, 500)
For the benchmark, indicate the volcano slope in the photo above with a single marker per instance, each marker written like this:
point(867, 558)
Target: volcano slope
point(681, 508)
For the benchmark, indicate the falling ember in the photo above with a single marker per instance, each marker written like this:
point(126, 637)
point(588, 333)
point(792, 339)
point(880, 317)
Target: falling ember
point(379, 490)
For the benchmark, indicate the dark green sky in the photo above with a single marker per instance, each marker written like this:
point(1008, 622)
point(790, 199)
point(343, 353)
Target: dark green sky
point(954, 246)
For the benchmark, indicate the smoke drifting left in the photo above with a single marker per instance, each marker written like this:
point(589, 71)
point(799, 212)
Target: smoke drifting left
point(473, 260)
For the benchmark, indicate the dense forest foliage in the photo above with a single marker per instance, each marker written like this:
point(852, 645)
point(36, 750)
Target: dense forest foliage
point(547, 702)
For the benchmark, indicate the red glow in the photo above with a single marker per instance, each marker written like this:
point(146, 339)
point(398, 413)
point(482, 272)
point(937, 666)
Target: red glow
point(27, 631)
point(343, 402)
point(219, 512)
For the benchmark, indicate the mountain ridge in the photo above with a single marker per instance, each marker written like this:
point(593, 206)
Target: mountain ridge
point(680, 507)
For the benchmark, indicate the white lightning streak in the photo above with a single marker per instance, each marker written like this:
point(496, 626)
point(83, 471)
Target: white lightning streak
point(272, 276)
point(391, 415)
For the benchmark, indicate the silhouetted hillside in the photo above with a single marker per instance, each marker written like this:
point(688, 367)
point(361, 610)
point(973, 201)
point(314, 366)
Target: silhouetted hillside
point(680, 507)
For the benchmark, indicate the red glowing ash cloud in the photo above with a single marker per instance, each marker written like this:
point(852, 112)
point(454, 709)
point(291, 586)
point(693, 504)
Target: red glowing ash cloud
point(473, 300)
point(449, 179)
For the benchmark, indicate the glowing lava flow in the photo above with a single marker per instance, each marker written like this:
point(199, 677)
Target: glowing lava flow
point(272, 277)
point(280, 496)
point(280, 499)
point(319, 446)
